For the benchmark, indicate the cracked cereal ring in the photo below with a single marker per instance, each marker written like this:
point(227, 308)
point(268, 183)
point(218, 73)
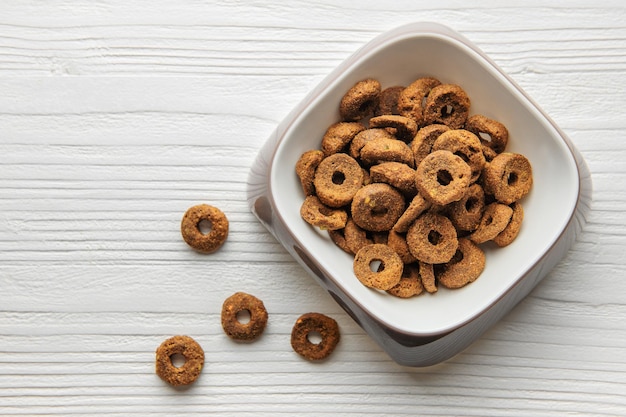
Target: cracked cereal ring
point(365, 136)
point(377, 207)
point(443, 177)
point(427, 275)
point(411, 98)
point(410, 283)
point(495, 218)
point(388, 102)
point(190, 228)
point(491, 133)
point(508, 177)
point(404, 127)
point(305, 169)
point(432, 238)
point(338, 136)
point(510, 232)
point(465, 266)
point(424, 139)
point(378, 266)
point(396, 174)
point(337, 178)
point(447, 104)
point(355, 237)
point(190, 350)
point(416, 207)
point(310, 324)
point(238, 303)
point(466, 213)
point(315, 213)
point(397, 242)
point(387, 150)
point(360, 101)
point(465, 144)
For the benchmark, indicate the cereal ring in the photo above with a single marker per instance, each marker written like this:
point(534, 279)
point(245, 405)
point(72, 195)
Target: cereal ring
point(315, 213)
point(443, 177)
point(305, 169)
point(432, 238)
point(383, 276)
point(360, 101)
point(416, 207)
point(365, 136)
point(355, 237)
point(410, 283)
point(491, 133)
point(241, 302)
point(338, 237)
point(466, 145)
point(388, 102)
point(447, 104)
point(495, 218)
point(466, 213)
point(377, 207)
point(387, 150)
point(190, 350)
point(508, 177)
point(411, 98)
point(397, 242)
point(464, 267)
point(339, 135)
point(424, 139)
point(510, 232)
point(193, 220)
point(489, 153)
point(404, 127)
point(337, 178)
point(312, 323)
point(427, 276)
point(396, 174)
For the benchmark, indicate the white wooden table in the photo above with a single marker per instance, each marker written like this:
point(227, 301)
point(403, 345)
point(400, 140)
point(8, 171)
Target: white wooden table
point(117, 116)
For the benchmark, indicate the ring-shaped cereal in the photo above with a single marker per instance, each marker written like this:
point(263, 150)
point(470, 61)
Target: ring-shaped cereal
point(377, 207)
point(367, 135)
point(443, 177)
point(432, 238)
point(416, 207)
point(427, 276)
point(465, 144)
point(388, 101)
point(314, 323)
point(337, 178)
point(378, 266)
point(424, 139)
point(241, 302)
point(447, 104)
point(497, 135)
point(397, 242)
point(387, 150)
point(190, 228)
point(495, 219)
point(355, 237)
point(315, 213)
point(396, 174)
point(466, 213)
point(360, 101)
point(465, 266)
point(510, 232)
point(410, 283)
point(305, 169)
point(188, 372)
point(338, 136)
point(508, 177)
point(411, 98)
point(405, 127)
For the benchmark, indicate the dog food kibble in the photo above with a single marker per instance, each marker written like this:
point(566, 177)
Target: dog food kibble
point(234, 326)
point(191, 225)
point(190, 351)
point(304, 331)
point(411, 184)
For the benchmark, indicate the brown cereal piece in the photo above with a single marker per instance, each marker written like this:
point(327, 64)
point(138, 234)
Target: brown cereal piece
point(387, 150)
point(424, 139)
point(489, 153)
point(491, 133)
point(355, 237)
point(443, 177)
point(396, 174)
point(447, 104)
point(427, 275)
point(508, 177)
point(397, 242)
point(338, 237)
point(464, 267)
point(190, 228)
point(495, 218)
point(360, 101)
point(305, 169)
point(365, 136)
point(377, 207)
point(405, 127)
point(337, 178)
point(465, 144)
point(314, 212)
point(466, 213)
point(510, 232)
point(416, 207)
point(432, 238)
point(190, 350)
point(382, 277)
point(380, 237)
point(338, 136)
point(388, 102)
point(411, 98)
point(314, 323)
point(238, 303)
point(410, 283)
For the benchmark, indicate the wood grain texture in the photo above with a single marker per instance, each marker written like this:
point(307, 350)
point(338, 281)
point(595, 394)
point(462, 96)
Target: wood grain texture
point(115, 117)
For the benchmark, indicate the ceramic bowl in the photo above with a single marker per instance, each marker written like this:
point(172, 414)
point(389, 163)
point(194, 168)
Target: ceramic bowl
point(429, 328)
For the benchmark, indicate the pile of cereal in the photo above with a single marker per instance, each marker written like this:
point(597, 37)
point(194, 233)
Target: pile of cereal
point(411, 183)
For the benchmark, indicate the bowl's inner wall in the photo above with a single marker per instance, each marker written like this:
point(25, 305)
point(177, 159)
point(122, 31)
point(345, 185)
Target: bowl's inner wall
point(547, 208)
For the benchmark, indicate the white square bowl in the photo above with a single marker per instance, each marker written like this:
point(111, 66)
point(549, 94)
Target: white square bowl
point(431, 328)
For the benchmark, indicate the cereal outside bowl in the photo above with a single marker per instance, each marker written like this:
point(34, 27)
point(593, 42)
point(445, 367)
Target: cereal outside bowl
point(430, 328)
